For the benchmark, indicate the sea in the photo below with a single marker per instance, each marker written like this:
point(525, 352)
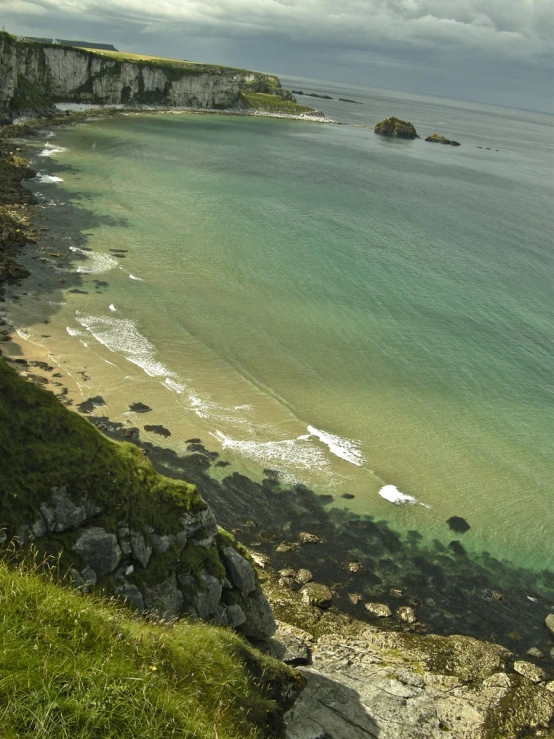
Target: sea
point(368, 317)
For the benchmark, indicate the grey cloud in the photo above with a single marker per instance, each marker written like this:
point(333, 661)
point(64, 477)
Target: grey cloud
point(355, 33)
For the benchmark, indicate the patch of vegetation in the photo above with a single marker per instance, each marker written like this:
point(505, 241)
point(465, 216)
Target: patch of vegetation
point(77, 666)
point(185, 66)
point(48, 446)
point(28, 96)
point(271, 103)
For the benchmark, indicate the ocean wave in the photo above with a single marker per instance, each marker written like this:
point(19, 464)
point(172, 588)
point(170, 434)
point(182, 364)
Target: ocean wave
point(96, 263)
point(47, 178)
point(289, 452)
point(346, 449)
point(50, 150)
point(138, 279)
point(393, 495)
point(112, 307)
point(73, 331)
point(121, 336)
point(175, 386)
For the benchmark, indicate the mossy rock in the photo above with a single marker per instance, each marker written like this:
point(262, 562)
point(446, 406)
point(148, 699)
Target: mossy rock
point(395, 127)
point(436, 138)
point(49, 447)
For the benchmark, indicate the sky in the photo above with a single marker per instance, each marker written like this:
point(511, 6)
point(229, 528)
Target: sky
point(494, 51)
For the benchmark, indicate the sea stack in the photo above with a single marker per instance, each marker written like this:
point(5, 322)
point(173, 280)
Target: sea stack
point(438, 139)
point(395, 127)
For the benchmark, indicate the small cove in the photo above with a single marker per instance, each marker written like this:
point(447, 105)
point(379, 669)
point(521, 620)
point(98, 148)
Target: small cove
point(264, 287)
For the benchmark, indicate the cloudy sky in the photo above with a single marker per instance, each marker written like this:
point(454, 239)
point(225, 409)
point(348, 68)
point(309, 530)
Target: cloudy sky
point(497, 51)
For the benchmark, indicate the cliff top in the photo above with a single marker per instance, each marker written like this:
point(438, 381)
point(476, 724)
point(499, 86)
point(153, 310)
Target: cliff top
point(143, 59)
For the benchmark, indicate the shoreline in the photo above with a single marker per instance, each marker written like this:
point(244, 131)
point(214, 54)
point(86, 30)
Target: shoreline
point(237, 499)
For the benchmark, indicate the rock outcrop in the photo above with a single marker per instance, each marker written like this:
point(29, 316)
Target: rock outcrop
point(397, 686)
point(397, 128)
point(438, 139)
point(114, 525)
point(33, 76)
point(197, 570)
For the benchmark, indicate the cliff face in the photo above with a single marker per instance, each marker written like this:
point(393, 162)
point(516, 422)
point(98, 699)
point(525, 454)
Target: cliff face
point(33, 76)
point(117, 526)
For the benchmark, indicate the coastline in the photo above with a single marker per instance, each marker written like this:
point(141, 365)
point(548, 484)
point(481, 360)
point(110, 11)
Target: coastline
point(261, 516)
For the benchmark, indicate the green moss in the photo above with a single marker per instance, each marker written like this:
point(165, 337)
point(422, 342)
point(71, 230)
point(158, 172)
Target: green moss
point(76, 666)
point(49, 446)
point(271, 103)
point(28, 96)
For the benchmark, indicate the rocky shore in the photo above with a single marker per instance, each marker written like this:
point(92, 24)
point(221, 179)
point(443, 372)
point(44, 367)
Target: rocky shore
point(357, 606)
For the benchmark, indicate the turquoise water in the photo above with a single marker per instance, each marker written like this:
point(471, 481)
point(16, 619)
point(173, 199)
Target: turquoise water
point(356, 312)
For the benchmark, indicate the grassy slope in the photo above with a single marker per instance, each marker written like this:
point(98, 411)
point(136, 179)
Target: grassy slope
point(126, 56)
point(48, 446)
point(75, 666)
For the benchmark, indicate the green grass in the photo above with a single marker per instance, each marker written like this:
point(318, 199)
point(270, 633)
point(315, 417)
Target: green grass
point(271, 103)
point(43, 445)
point(74, 666)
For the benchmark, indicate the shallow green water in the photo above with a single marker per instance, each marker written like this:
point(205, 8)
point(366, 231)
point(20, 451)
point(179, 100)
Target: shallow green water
point(353, 311)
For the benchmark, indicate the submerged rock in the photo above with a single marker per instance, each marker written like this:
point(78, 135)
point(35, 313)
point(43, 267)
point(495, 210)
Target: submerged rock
point(457, 523)
point(395, 127)
point(407, 614)
point(549, 621)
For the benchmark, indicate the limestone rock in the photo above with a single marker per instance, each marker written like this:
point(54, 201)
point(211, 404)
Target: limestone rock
point(530, 671)
point(72, 75)
point(98, 549)
point(390, 685)
point(130, 593)
point(304, 576)
point(381, 610)
point(165, 599)
point(61, 512)
point(240, 570)
point(317, 595)
point(353, 567)
point(395, 127)
point(306, 538)
point(549, 621)
point(140, 549)
point(235, 616)
point(407, 614)
point(260, 622)
point(295, 644)
point(207, 600)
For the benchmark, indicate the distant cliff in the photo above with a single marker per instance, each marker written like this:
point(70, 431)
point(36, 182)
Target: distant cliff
point(34, 76)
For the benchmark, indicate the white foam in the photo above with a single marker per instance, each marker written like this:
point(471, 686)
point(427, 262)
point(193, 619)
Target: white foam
point(96, 263)
point(199, 406)
point(121, 336)
point(73, 331)
point(112, 307)
point(175, 386)
point(47, 178)
point(22, 333)
point(346, 449)
point(288, 452)
point(393, 495)
point(49, 150)
point(138, 279)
